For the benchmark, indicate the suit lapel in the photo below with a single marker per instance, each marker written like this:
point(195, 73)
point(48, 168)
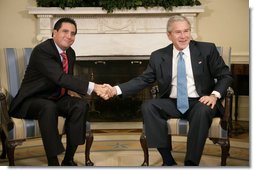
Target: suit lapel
point(70, 60)
point(167, 62)
point(197, 62)
point(196, 59)
point(166, 67)
point(55, 51)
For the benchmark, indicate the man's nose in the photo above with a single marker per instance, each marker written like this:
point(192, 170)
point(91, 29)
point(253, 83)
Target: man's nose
point(69, 35)
point(182, 34)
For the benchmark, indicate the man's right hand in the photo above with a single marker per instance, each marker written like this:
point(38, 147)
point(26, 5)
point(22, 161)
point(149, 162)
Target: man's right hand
point(105, 91)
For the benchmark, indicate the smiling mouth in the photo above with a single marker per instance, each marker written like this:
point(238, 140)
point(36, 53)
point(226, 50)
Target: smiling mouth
point(182, 42)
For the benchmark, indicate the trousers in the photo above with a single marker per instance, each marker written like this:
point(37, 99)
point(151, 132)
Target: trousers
point(47, 111)
point(156, 112)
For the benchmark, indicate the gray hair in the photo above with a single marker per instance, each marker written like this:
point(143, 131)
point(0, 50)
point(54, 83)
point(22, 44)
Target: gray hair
point(176, 18)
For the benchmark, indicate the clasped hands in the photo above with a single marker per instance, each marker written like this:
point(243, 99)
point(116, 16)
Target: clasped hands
point(105, 91)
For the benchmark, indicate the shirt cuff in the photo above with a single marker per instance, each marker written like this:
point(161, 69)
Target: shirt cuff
point(217, 94)
point(90, 88)
point(118, 90)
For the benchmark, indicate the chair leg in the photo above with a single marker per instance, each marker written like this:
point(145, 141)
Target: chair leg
point(10, 154)
point(145, 149)
point(225, 152)
point(89, 141)
point(3, 139)
point(225, 146)
point(10, 149)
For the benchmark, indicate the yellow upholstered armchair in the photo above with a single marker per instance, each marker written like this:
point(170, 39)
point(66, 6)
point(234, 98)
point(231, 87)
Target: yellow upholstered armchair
point(15, 131)
point(219, 130)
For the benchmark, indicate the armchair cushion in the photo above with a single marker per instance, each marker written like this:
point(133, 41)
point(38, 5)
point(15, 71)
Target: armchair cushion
point(24, 128)
point(181, 127)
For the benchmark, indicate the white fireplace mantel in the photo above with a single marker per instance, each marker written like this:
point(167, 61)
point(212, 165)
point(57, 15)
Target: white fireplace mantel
point(125, 32)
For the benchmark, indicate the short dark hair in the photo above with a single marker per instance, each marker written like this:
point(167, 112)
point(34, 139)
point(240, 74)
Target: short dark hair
point(58, 24)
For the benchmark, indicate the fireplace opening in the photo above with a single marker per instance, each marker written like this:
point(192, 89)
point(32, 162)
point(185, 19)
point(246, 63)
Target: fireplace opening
point(114, 72)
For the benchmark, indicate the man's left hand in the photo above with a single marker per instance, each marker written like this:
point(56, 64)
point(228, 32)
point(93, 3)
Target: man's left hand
point(73, 94)
point(209, 100)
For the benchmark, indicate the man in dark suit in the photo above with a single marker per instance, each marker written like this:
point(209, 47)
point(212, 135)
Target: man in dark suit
point(49, 89)
point(202, 65)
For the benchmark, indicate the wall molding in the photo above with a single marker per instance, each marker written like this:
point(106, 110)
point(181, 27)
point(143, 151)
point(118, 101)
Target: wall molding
point(240, 58)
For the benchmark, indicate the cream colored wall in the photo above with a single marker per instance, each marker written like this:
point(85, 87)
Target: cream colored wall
point(17, 26)
point(224, 22)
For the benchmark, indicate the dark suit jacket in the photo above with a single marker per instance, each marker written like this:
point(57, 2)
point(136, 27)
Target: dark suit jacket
point(207, 65)
point(44, 76)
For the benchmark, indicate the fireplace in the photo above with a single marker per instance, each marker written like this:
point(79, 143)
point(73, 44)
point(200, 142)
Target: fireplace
point(113, 48)
point(114, 71)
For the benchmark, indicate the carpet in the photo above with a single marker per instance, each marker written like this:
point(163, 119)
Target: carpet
point(125, 151)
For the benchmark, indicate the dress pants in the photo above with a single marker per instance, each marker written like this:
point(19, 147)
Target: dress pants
point(47, 112)
point(157, 111)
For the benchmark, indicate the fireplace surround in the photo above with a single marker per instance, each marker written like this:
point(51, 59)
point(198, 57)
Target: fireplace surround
point(123, 33)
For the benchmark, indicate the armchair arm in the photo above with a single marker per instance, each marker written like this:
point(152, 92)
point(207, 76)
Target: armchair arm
point(228, 106)
point(6, 122)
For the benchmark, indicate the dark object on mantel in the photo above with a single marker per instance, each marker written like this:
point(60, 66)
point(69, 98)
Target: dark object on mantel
point(114, 72)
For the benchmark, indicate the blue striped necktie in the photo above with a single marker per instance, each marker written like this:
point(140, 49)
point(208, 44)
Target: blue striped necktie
point(182, 95)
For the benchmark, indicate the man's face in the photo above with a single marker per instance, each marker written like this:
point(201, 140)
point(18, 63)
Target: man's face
point(65, 36)
point(180, 34)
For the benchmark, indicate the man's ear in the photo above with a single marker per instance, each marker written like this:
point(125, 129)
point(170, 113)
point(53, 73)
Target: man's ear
point(169, 35)
point(54, 32)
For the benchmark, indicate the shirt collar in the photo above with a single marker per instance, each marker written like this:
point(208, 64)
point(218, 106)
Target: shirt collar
point(59, 49)
point(185, 51)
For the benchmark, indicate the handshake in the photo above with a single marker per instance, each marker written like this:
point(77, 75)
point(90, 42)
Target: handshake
point(105, 91)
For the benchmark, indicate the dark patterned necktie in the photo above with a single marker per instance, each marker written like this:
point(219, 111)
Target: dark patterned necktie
point(182, 94)
point(65, 68)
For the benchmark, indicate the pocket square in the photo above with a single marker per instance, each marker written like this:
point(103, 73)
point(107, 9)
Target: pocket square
point(200, 62)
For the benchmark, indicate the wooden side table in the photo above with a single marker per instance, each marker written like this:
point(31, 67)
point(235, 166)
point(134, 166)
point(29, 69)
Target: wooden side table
point(240, 74)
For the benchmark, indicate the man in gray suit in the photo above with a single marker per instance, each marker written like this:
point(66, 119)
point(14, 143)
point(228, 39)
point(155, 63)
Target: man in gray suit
point(203, 64)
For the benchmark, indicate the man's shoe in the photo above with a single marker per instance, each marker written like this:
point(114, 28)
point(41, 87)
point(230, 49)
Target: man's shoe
point(173, 163)
point(189, 163)
point(69, 163)
point(53, 161)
